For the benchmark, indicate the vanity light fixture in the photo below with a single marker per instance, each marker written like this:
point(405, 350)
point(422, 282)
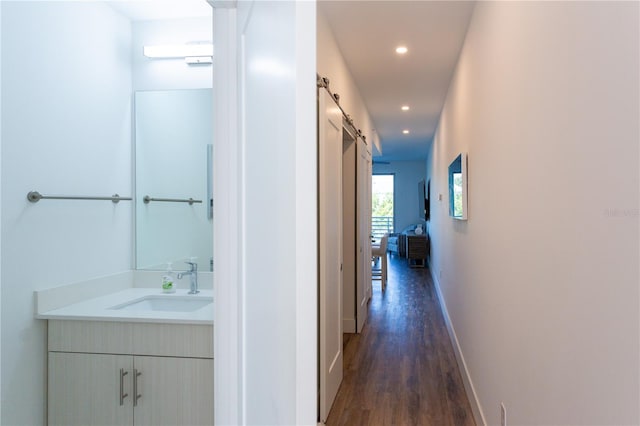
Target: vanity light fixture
point(405, 108)
point(193, 53)
point(401, 50)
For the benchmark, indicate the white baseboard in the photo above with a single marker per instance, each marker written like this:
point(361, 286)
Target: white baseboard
point(348, 325)
point(478, 414)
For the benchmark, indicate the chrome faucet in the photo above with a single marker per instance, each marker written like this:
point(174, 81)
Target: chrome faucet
point(193, 277)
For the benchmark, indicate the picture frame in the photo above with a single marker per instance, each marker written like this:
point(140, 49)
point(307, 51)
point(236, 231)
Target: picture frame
point(458, 208)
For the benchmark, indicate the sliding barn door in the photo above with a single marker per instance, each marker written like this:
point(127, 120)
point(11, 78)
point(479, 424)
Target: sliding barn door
point(330, 249)
point(363, 213)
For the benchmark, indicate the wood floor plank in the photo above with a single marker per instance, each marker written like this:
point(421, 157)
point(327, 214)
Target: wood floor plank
point(401, 370)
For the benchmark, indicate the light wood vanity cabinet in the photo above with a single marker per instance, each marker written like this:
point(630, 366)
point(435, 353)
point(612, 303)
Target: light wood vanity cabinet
point(96, 369)
point(83, 389)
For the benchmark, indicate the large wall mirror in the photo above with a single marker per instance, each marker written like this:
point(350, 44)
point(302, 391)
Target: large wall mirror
point(173, 137)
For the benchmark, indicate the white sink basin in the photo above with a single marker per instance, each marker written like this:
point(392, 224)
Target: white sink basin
point(165, 303)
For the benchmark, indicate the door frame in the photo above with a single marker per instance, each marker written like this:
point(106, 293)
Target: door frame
point(227, 180)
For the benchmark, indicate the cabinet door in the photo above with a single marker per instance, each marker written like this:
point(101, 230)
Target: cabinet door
point(174, 391)
point(84, 390)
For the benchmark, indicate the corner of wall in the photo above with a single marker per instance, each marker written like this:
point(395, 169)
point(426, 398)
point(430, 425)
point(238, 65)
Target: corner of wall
point(1, 227)
point(306, 301)
point(377, 148)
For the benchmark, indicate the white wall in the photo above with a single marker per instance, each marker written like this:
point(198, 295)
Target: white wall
point(331, 64)
point(0, 211)
point(407, 174)
point(66, 129)
point(541, 282)
point(167, 74)
point(269, 284)
point(278, 213)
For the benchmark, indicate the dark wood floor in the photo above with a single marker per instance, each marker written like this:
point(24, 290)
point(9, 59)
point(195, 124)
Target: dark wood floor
point(401, 370)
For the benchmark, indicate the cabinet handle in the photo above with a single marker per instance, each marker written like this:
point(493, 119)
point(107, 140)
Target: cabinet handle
point(136, 396)
point(122, 394)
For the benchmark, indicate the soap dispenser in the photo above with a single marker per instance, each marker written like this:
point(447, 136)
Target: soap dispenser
point(168, 280)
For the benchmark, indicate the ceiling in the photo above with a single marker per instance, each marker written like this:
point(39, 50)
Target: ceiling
point(368, 32)
point(147, 10)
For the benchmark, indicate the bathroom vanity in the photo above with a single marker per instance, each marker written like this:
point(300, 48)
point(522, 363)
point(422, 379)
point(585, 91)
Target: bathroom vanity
point(132, 357)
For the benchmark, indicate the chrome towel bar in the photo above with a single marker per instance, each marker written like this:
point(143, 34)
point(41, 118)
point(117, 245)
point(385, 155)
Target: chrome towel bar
point(191, 201)
point(35, 196)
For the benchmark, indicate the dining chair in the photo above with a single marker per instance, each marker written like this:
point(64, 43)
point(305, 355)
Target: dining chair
point(379, 261)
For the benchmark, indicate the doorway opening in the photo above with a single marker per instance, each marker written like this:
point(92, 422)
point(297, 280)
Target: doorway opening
point(382, 205)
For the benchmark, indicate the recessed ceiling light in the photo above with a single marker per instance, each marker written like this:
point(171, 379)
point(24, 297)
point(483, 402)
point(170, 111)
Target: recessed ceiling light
point(401, 50)
point(405, 107)
point(405, 131)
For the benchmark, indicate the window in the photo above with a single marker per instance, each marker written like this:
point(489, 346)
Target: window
point(381, 205)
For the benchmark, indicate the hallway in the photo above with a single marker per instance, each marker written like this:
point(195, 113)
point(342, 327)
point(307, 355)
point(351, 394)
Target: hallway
point(401, 370)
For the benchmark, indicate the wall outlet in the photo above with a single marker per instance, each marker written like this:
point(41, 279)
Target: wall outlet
point(503, 415)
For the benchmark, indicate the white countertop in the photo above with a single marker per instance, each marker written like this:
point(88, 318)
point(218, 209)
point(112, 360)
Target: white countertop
point(100, 308)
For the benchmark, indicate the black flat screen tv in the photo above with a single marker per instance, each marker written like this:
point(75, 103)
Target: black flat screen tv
point(422, 209)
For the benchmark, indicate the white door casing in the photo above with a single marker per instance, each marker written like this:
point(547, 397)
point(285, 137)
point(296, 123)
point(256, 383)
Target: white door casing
point(349, 231)
point(363, 286)
point(367, 245)
point(227, 241)
point(330, 249)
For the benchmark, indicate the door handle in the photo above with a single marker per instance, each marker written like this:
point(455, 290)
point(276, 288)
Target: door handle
point(122, 394)
point(136, 395)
